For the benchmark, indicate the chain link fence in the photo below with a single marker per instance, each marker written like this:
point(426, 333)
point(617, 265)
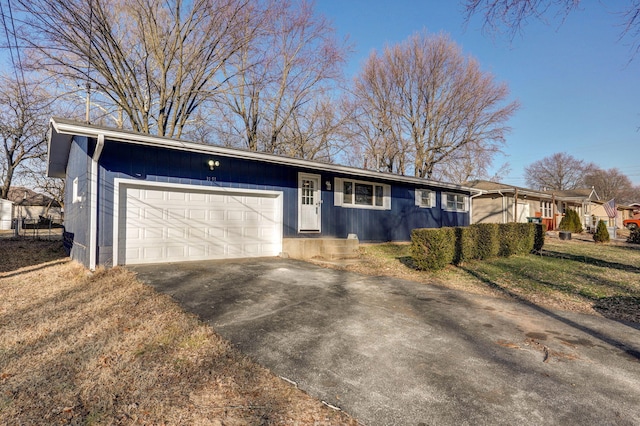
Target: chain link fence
point(41, 229)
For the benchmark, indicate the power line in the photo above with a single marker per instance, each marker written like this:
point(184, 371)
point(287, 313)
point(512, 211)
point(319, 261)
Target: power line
point(11, 46)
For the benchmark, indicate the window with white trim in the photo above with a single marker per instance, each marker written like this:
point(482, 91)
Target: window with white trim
point(546, 208)
point(455, 202)
point(76, 196)
point(425, 198)
point(362, 195)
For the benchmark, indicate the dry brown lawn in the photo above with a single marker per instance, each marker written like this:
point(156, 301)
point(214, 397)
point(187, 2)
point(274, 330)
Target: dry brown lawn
point(102, 348)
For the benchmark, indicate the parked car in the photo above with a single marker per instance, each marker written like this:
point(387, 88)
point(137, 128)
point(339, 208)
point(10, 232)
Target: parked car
point(631, 224)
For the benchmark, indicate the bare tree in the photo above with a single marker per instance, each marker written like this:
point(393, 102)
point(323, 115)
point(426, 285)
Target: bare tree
point(611, 184)
point(559, 171)
point(275, 101)
point(472, 162)
point(155, 61)
point(422, 101)
point(512, 15)
point(24, 113)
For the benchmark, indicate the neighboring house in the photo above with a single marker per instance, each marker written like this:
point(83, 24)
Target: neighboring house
point(623, 212)
point(6, 214)
point(134, 198)
point(582, 201)
point(30, 205)
point(502, 203)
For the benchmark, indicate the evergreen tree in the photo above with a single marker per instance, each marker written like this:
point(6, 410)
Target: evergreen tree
point(601, 235)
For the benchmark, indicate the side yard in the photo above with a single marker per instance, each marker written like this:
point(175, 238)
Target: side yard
point(79, 348)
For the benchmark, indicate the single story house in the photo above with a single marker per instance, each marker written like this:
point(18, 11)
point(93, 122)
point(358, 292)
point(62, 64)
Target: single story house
point(503, 203)
point(582, 200)
point(31, 205)
point(136, 198)
point(622, 212)
point(6, 214)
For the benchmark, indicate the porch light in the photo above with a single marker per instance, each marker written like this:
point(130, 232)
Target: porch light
point(213, 164)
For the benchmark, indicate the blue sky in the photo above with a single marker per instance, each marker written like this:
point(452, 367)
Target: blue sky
point(578, 91)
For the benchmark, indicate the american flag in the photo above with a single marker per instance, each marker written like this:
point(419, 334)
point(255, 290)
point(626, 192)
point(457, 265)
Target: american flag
point(610, 208)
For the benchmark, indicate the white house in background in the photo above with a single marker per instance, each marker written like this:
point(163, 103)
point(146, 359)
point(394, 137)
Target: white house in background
point(28, 204)
point(6, 210)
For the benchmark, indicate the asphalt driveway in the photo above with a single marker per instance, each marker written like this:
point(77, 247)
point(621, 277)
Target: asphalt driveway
point(389, 351)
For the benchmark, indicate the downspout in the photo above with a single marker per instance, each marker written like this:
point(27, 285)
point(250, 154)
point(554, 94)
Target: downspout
point(93, 209)
point(515, 206)
point(504, 207)
point(471, 206)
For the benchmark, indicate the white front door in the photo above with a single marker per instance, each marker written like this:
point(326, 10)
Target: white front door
point(308, 202)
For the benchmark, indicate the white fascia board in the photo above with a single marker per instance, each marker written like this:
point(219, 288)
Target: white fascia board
point(76, 128)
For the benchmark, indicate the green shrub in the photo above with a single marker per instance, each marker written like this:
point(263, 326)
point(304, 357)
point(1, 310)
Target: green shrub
point(526, 238)
point(540, 232)
point(488, 242)
point(634, 236)
point(466, 243)
point(516, 238)
point(508, 235)
point(433, 248)
point(602, 234)
point(571, 222)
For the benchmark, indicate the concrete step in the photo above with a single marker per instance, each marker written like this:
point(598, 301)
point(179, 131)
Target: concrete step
point(325, 248)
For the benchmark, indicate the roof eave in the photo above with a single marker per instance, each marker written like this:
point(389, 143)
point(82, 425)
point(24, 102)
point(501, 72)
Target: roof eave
point(61, 128)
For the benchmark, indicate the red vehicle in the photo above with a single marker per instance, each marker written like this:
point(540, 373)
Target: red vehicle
point(633, 223)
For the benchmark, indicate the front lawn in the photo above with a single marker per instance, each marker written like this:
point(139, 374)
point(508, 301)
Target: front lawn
point(102, 348)
point(575, 275)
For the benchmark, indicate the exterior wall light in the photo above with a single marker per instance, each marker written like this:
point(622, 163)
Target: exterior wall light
point(328, 185)
point(213, 164)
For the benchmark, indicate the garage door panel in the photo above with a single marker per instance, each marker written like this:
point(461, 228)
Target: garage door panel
point(176, 196)
point(176, 251)
point(152, 252)
point(198, 214)
point(216, 215)
point(218, 232)
point(252, 232)
point(173, 214)
point(197, 196)
point(164, 224)
point(154, 233)
point(153, 195)
point(235, 215)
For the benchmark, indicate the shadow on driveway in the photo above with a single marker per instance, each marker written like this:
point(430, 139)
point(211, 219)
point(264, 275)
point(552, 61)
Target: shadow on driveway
point(390, 351)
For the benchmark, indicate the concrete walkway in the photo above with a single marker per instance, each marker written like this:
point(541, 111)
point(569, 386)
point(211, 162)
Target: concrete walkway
point(395, 352)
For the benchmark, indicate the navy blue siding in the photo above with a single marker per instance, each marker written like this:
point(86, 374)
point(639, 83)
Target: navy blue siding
point(76, 215)
point(121, 160)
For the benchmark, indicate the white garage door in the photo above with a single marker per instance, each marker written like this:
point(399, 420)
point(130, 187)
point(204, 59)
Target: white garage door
point(182, 224)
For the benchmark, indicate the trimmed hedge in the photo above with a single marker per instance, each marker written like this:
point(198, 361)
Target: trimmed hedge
point(538, 240)
point(466, 244)
point(488, 242)
point(435, 248)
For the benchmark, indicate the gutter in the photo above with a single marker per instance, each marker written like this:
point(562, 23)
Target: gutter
point(93, 206)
